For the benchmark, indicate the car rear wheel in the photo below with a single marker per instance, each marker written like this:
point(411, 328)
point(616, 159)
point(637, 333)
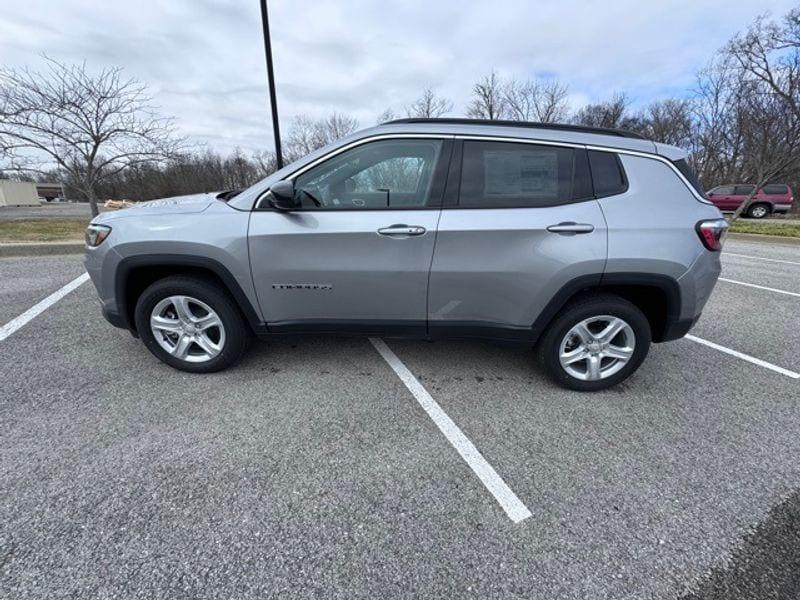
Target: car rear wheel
point(758, 211)
point(595, 343)
point(191, 324)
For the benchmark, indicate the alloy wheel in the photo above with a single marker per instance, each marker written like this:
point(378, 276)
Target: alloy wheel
point(597, 348)
point(187, 328)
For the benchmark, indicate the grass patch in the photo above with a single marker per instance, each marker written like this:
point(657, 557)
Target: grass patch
point(766, 227)
point(42, 230)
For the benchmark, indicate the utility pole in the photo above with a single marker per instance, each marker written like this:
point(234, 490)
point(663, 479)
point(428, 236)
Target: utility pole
point(271, 83)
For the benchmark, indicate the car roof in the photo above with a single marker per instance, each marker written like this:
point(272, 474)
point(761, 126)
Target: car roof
point(530, 124)
point(555, 132)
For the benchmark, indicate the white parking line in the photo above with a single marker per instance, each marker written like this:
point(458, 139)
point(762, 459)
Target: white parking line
point(760, 287)
point(507, 499)
point(37, 309)
point(775, 260)
point(743, 356)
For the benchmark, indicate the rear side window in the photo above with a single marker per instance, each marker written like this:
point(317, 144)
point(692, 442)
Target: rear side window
point(743, 190)
point(723, 190)
point(776, 189)
point(690, 175)
point(607, 173)
point(516, 175)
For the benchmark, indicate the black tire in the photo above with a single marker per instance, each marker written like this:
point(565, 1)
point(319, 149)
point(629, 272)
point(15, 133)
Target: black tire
point(549, 345)
point(758, 210)
point(237, 332)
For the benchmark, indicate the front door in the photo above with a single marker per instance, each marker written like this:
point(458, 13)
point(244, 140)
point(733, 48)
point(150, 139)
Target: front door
point(356, 254)
point(724, 198)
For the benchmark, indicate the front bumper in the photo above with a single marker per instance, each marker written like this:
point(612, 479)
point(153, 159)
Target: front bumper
point(113, 317)
point(100, 263)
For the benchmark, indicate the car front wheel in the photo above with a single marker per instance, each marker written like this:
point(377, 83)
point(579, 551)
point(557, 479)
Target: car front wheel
point(595, 343)
point(191, 324)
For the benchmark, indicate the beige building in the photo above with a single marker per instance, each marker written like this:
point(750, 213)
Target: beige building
point(18, 193)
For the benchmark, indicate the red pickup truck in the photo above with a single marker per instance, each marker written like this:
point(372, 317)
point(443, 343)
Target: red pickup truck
point(772, 198)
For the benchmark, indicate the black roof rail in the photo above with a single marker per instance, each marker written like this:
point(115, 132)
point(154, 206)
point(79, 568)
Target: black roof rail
point(529, 124)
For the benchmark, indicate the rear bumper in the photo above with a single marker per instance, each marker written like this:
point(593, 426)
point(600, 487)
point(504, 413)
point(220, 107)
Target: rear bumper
point(781, 208)
point(678, 328)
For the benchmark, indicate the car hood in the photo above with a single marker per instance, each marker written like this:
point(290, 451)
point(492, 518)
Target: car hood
point(192, 203)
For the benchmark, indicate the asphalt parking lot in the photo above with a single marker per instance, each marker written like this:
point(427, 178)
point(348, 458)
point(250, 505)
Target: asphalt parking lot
point(311, 470)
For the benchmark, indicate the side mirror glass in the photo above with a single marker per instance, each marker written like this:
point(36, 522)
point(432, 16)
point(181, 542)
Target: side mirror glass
point(282, 195)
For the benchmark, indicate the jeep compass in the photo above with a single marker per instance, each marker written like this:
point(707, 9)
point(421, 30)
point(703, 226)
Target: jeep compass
point(587, 244)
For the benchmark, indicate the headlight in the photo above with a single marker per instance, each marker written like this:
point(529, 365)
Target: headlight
point(95, 234)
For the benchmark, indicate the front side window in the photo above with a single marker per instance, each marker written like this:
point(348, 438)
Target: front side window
point(383, 174)
point(743, 190)
point(508, 175)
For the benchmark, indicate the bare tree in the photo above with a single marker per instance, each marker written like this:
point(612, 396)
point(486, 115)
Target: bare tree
point(610, 114)
point(669, 121)
point(429, 106)
point(545, 102)
point(336, 126)
point(89, 126)
point(488, 100)
point(717, 107)
point(766, 61)
point(386, 115)
point(307, 134)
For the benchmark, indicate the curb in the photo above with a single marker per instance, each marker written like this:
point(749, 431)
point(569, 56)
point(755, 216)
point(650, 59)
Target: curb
point(768, 239)
point(41, 248)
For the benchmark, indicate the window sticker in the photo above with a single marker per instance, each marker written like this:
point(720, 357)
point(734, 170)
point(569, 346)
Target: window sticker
point(514, 173)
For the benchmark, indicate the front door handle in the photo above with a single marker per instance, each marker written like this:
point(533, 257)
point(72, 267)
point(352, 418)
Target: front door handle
point(402, 230)
point(571, 228)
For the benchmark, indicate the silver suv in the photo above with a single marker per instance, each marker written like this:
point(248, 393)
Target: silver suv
point(588, 244)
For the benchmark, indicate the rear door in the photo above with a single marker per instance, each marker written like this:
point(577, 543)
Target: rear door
point(740, 194)
point(519, 222)
point(355, 255)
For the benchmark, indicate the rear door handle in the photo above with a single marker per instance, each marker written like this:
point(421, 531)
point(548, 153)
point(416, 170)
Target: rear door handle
point(571, 228)
point(402, 230)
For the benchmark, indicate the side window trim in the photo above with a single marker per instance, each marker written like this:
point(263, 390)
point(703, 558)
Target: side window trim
point(440, 169)
point(453, 183)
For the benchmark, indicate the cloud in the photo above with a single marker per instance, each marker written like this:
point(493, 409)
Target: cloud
point(204, 62)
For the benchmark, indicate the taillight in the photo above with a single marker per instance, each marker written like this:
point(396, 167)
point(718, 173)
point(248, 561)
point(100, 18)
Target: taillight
point(712, 233)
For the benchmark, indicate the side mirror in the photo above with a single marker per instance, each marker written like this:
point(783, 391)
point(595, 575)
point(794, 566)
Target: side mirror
point(282, 194)
point(709, 194)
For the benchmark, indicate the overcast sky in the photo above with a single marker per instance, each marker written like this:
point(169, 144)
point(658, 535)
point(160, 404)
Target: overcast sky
point(204, 61)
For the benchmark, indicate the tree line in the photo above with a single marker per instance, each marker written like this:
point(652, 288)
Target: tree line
point(101, 137)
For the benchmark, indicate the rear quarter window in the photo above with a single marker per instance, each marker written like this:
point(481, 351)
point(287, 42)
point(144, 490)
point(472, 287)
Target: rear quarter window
point(775, 189)
point(608, 175)
point(691, 177)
